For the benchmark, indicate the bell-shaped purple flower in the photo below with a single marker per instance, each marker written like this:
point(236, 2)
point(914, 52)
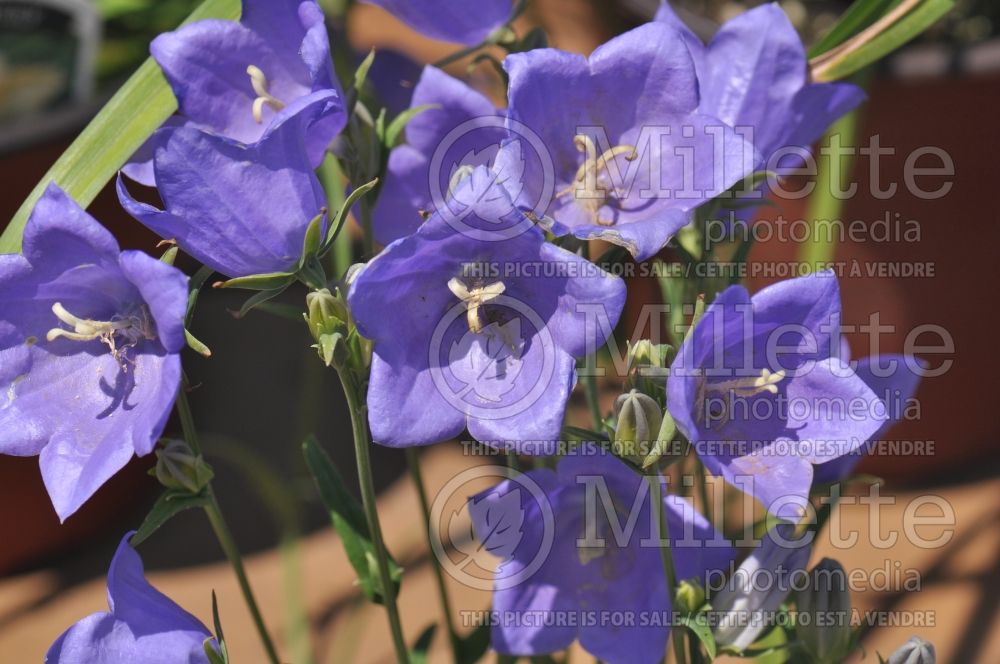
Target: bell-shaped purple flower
point(600, 577)
point(478, 322)
point(461, 128)
point(755, 74)
point(143, 624)
point(753, 592)
point(238, 79)
point(759, 390)
point(894, 379)
point(628, 154)
point(240, 209)
point(90, 341)
point(450, 20)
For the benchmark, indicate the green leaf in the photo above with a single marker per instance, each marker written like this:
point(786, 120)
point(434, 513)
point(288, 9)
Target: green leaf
point(314, 233)
point(348, 520)
point(219, 636)
point(422, 645)
point(166, 506)
point(260, 282)
point(124, 124)
point(699, 626)
point(195, 285)
point(395, 129)
point(902, 31)
point(338, 222)
point(197, 345)
point(257, 300)
point(361, 73)
point(856, 18)
point(472, 648)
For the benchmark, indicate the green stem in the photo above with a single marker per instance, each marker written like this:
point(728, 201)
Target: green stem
point(362, 442)
point(593, 401)
point(413, 461)
point(666, 556)
point(222, 532)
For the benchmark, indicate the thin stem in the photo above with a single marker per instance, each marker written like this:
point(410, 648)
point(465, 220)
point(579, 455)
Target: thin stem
point(666, 555)
point(222, 532)
point(413, 461)
point(593, 401)
point(362, 441)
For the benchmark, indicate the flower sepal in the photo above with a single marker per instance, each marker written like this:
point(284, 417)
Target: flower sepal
point(178, 468)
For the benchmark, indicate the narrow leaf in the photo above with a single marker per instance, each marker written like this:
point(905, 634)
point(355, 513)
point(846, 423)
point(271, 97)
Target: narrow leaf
point(395, 129)
point(348, 520)
point(699, 626)
point(856, 18)
point(219, 636)
point(166, 506)
point(422, 645)
point(197, 345)
point(260, 282)
point(472, 648)
point(338, 222)
point(257, 300)
point(126, 121)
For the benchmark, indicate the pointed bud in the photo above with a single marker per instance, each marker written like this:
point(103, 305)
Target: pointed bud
point(639, 420)
point(823, 612)
point(914, 651)
point(179, 468)
point(662, 446)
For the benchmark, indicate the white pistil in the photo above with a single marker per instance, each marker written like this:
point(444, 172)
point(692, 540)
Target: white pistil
point(750, 386)
point(585, 188)
point(259, 82)
point(131, 329)
point(475, 298)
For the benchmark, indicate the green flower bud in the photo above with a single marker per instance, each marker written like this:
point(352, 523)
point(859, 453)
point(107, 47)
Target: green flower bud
point(639, 420)
point(328, 322)
point(179, 468)
point(664, 441)
point(914, 651)
point(823, 612)
point(690, 596)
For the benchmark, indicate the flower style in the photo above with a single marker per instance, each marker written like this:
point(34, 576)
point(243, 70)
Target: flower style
point(759, 390)
point(240, 209)
point(143, 625)
point(90, 341)
point(458, 113)
point(631, 154)
point(478, 330)
point(893, 379)
point(758, 587)
point(755, 73)
point(603, 558)
point(450, 20)
point(238, 79)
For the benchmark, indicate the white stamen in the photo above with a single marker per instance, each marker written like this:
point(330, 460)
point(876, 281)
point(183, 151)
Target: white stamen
point(750, 386)
point(474, 298)
point(131, 329)
point(585, 188)
point(259, 83)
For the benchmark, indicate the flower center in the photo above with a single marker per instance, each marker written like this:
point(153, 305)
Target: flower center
point(118, 334)
point(475, 298)
point(259, 82)
point(719, 411)
point(589, 186)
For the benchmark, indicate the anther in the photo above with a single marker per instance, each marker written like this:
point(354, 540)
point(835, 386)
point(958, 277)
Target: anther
point(259, 82)
point(475, 298)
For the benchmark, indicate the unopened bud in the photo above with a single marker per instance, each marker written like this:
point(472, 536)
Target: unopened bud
point(327, 320)
point(914, 651)
point(639, 420)
point(179, 468)
point(690, 596)
point(823, 612)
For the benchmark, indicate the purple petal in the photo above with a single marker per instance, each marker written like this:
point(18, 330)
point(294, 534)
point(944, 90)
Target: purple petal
point(450, 20)
point(164, 289)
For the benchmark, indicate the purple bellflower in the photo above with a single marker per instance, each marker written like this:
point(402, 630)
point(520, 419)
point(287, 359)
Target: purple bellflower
point(478, 328)
point(894, 379)
point(238, 79)
point(143, 625)
point(90, 341)
point(759, 390)
point(755, 73)
point(240, 209)
point(450, 20)
point(460, 129)
point(603, 559)
point(753, 592)
point(629, 154)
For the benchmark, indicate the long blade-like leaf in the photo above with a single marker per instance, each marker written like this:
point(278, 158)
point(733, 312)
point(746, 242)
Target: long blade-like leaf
point(122, 126)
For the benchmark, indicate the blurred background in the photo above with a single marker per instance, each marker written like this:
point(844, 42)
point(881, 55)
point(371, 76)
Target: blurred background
point(264, 389)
